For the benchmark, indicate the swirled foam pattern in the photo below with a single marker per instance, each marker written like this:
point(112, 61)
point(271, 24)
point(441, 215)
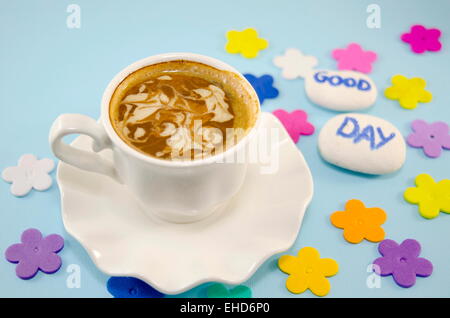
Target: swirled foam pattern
point(181, 110)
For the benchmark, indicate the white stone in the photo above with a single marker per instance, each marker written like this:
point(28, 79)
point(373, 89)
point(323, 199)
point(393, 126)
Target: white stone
point(362, 143)
point(340, 90)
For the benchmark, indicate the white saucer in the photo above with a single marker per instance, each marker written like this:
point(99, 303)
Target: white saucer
point(262, 220)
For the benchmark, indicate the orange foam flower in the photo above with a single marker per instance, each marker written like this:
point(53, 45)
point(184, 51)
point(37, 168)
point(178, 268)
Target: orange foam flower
point(360, 222)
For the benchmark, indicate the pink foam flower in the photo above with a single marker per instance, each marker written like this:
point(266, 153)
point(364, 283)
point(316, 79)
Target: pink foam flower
point(296, 123)
point(422, 39)
point(354, 58)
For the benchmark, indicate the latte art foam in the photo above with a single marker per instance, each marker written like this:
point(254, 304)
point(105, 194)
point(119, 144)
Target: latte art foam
point(184, 112)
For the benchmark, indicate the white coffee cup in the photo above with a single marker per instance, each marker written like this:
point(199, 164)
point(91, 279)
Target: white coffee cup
point(177, 191)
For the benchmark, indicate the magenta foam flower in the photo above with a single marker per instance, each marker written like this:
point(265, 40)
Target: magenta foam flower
point(354, 58)
point(431, 137)
point(35, 253)
point(402, 262)
point(422, 39)
point(296, 123)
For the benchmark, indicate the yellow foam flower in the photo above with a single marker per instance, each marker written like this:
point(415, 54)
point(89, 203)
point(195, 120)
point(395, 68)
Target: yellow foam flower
point(245, 42)
point(408, 92)
point(431, 197)
point(308, 271)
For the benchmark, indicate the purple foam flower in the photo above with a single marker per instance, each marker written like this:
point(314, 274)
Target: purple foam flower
point(35, 253)
point(402, 262)
point(431, 137)
point(422, 39)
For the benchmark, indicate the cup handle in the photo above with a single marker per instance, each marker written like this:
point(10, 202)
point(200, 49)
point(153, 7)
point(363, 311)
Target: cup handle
point(68, 124)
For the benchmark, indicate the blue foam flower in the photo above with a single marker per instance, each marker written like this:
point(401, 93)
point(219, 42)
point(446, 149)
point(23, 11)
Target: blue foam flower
point(263, 86)
point(130, 287)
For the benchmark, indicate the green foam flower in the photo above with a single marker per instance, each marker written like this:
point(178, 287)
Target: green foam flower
point(220, 291)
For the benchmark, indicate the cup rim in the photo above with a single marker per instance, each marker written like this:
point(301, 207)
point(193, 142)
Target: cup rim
point(166, 57)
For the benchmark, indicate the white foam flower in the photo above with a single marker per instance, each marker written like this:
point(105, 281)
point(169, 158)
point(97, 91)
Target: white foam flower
point(295, 64)
point(30, 173)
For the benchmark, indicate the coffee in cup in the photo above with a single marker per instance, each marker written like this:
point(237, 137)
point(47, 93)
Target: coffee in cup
point(182, 110)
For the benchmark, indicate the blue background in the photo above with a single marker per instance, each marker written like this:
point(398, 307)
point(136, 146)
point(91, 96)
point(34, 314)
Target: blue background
point(47, 69)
